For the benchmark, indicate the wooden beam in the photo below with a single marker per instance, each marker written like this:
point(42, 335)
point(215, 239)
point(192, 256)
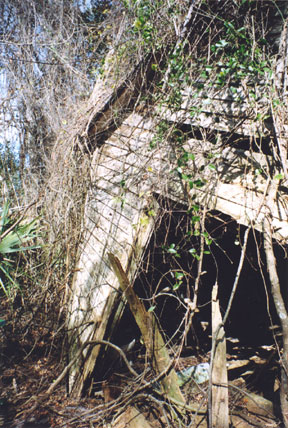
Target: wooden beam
point(154, 343)
point(219, 411)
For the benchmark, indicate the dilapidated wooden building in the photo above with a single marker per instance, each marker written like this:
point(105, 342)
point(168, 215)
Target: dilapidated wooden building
point(207, 143)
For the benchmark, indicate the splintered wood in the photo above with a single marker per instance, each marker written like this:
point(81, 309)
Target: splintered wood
point(152, 337)
point(131, 418)
point(219, 391)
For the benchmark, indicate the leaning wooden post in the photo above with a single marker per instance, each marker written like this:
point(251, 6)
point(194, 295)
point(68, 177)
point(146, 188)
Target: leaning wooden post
point(219, 409)
point(152, 337)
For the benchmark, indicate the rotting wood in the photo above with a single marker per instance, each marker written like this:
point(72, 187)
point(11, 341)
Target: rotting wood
point(131, 418)
point(216, 121)
point(258, 405)
point(243, 420)
point(115, 219)
point(236, 175)
point(105, 112)
point(219, 411)
point(102, 306)
point(155, 345)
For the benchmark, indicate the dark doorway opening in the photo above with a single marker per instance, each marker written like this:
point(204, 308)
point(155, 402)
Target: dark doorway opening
point(252, 328)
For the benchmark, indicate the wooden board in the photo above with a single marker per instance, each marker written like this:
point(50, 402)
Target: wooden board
point(115, 220)
point(219, 411)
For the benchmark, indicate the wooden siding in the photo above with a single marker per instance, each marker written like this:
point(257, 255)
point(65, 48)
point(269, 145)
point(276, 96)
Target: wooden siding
point(221, 110)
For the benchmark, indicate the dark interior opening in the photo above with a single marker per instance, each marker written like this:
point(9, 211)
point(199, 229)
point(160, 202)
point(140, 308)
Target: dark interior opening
point(249, 320)
point(253, 320)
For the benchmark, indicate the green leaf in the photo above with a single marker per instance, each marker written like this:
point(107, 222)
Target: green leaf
point(179, 275)
point(12, 239)
point(177, 285)
point(144, 220)
point(151, 309)
point(185, 177)
point(278, 177)
point(19, 249)
point(15, 239)
point(4, 216)
point(172, 251)
point(3, 286)
point(152, 213)
point(139, 23)
point(8, 276)
point(199, 183)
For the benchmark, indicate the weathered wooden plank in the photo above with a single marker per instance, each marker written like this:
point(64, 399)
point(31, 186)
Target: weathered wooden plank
point(236, 185)
point(243, 205)
point(223, 102)
point(125, 173)
point(217, 122)
point(112, 223)
point(221, 110)
point(131, 418)
point(154, 342)
point(95, 286)
point(219, 412)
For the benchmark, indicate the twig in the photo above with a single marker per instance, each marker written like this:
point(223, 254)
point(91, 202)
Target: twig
point(236, 280)
point(90, 343)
